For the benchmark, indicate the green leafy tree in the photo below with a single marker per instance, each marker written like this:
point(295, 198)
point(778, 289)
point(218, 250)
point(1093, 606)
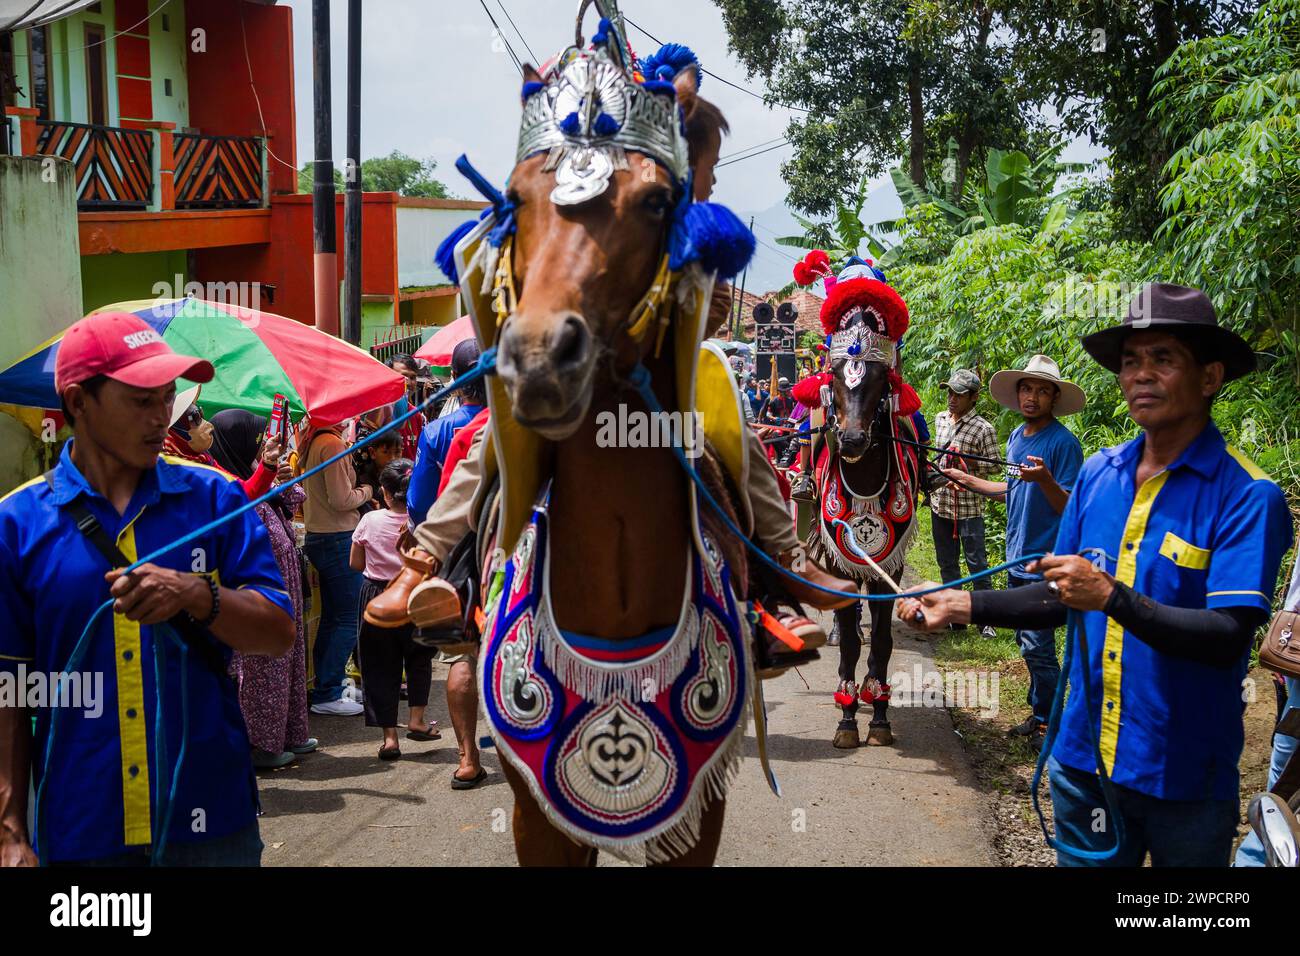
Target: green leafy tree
point(394, 173)
point(874, 75)
point(402, 174)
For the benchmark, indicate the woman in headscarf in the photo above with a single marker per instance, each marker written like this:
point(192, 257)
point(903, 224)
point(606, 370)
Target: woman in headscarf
point(272, 691)
point(191, 436)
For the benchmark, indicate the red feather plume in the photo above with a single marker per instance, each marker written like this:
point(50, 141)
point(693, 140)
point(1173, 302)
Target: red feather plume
point(865, 293)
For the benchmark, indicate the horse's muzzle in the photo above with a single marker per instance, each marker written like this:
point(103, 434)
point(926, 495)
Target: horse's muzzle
point(547, 369)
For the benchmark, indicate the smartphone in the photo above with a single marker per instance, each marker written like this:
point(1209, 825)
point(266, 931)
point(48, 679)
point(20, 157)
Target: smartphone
point(279, 428)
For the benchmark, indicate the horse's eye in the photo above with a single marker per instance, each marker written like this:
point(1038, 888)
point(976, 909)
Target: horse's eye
point(657, 204)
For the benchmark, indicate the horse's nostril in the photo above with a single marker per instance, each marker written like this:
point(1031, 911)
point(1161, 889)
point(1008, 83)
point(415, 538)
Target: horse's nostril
point(570, 343)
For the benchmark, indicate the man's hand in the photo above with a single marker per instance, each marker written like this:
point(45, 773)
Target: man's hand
point(151, 595)
point(933, 611)
point(15, 850)
point(1034, 471)
point(1078, 581)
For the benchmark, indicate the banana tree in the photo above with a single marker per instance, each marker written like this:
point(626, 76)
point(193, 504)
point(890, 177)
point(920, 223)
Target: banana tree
point(843, 235)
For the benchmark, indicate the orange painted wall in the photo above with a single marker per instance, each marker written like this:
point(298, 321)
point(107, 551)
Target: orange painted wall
point(287, 261)
point(221, 100)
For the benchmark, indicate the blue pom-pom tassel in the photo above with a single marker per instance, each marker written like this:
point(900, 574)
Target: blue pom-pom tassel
point(712, 235)
point(661, 87)
point(532, 87)
point(675, 57)
point(445, 256)
point(571, 125)
point(602, 33)
point(606, 125)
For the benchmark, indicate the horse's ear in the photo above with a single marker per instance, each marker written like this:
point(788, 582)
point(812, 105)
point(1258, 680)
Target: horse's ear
point(688, 87)
point(531, 75)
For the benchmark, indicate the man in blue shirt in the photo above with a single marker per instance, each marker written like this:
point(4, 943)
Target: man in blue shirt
point(1166, 561)
point(106, 777)
point(435, 439)
point(1036, 493)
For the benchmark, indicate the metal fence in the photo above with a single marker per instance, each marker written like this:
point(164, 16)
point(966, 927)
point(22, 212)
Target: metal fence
point(398, 340)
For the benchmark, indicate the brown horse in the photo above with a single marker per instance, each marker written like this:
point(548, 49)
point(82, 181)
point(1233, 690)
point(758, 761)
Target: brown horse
point(620, 533)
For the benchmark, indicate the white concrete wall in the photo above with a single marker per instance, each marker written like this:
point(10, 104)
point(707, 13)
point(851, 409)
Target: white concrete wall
point(419, 231)
point(40, 282)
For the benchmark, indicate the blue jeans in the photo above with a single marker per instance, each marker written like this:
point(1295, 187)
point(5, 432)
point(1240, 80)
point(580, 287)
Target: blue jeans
point(1174, 832)
point(1251, 851)
point(340, 589)
point(1038, 648)
point(243, 848)
point(969, 539)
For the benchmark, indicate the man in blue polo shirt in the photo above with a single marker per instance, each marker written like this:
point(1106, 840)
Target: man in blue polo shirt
point(436, 438)
point(105, 777)
point(1037, 491)
point(1168, 555)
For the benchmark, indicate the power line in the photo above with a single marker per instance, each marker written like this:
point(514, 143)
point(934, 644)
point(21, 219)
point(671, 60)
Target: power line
point(755, 146)
point(752, 155)
point(501, 4)
point(720, 79)
point(779, 252)
point(114, 36)
point(504, 39)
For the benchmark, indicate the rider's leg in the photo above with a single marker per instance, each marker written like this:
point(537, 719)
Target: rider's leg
point(462, 704)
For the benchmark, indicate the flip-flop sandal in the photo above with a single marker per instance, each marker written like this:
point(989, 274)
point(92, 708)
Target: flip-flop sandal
point(389, 753)
point(431, 734)
point(458, 784)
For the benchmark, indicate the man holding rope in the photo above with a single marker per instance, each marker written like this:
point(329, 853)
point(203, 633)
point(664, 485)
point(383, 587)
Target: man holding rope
point(1036, 494)
point(101, 779)
point(1167, 558)
point(957, 515)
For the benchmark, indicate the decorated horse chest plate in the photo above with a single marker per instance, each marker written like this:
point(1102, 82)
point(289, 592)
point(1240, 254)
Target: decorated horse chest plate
point(882, 526)
point(622, 742)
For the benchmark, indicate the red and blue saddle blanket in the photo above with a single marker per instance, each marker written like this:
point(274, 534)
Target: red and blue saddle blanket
point(883, 524)
point(623, 743)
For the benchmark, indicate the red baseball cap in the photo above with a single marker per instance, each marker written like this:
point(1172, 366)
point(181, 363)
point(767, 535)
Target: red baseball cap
point(126, 348)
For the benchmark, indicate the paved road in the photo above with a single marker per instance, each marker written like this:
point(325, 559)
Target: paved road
point(911, 804)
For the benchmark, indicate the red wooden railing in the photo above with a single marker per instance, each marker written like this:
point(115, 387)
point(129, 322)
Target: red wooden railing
point(114, 167)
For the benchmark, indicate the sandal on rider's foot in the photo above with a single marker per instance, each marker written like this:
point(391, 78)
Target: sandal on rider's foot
point(460, 783)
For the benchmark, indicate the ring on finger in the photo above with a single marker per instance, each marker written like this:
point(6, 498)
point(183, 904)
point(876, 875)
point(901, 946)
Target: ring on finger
point(1054, 588)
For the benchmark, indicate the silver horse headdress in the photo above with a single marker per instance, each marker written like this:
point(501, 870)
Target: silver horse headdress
point(590, 110)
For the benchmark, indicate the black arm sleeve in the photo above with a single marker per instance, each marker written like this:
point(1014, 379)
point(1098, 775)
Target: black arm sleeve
point(1029, 608)
point(1217, 637)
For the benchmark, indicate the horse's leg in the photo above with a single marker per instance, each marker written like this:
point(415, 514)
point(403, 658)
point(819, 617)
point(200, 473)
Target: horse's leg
point(537, 843)
point(706, 850)
point(847, 619)
point(876, 686)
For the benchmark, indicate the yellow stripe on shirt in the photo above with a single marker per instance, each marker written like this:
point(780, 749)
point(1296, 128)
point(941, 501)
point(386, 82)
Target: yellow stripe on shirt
point(1112, 653)
point(132, 732)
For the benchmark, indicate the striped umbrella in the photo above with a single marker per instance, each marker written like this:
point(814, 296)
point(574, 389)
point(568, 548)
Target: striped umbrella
point(256, 354)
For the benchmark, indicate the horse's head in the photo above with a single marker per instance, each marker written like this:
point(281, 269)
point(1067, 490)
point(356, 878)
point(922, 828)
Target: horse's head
point(589, 242)
point(860, 360)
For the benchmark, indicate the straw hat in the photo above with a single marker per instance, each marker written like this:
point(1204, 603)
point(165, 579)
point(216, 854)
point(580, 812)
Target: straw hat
point(1004, 385)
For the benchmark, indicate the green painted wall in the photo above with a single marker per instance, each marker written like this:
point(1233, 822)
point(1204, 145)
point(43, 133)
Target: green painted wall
point(167, 58)
point(121, 278)
point(68, 66)
point(374, 317)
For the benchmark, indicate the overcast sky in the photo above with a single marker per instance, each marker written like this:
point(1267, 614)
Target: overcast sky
point(436, 83)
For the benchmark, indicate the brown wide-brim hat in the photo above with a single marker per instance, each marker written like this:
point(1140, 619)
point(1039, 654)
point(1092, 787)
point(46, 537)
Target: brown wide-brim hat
point(1178, 310)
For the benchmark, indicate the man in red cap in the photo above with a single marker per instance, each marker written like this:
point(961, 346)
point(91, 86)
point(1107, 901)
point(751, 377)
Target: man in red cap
point(105, 768)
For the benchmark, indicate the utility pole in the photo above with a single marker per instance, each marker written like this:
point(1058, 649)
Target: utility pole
point(352, 195)
point(740, 312)
point(324, 238)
